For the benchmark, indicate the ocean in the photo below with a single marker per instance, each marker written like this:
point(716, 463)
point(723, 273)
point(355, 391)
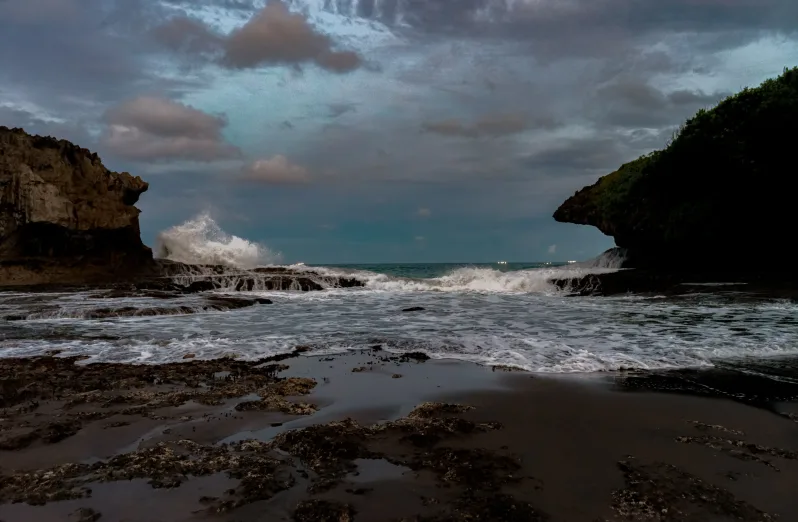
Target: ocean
point(435, 270)
point(495, 314)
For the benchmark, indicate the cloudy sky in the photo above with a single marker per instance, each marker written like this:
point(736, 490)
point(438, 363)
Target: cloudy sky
point(379, 130)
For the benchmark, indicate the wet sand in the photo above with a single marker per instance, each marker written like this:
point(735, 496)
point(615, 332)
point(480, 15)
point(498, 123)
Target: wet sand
point(372, 436)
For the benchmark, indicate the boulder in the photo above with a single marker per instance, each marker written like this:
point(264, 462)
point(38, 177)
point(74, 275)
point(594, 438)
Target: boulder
point(64, 217)
point(721, 195)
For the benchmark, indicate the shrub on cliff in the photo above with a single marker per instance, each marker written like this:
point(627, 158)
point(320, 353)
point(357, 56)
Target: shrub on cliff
point(728, 177)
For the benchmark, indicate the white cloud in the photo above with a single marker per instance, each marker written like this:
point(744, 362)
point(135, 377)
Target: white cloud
point(149, 128)
point(277, 171)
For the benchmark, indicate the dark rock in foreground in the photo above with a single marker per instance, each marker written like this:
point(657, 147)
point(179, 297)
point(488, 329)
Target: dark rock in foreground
point(199, 278)
point(212, 303)
point(316, 510)
point(64, 217)
point(720, 196)
point(766, 383)
point(169, 279)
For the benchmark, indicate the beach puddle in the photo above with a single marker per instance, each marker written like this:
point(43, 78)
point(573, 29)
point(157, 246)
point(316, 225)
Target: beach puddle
point(129, 500)
point(403, 384)
point(374, 470)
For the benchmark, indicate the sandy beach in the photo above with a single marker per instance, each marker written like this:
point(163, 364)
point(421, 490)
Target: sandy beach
point(374, 436)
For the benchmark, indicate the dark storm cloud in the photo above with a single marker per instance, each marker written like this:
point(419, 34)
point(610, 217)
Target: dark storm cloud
point(69, 59)
point(567, 29)
point(339, 109)
point(540, 18)
point(604, 153)
point(33, 12)
point(633, 102)
point(74, 131)
point(687, 97)
point(76, 57)
point(492, 126)
point(577, 26)
point(13, 117)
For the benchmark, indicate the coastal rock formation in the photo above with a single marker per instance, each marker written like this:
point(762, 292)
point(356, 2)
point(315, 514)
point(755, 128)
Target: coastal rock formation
point(651, 281)
point(719, 196)
point(200, 278)
point(64, 217)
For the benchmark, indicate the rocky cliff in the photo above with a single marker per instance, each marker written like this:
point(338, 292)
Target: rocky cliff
point(721, 195)
point(64, 217)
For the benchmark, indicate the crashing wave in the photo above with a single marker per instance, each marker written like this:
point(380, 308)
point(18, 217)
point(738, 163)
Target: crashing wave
point(200, 241)
point(475, 279)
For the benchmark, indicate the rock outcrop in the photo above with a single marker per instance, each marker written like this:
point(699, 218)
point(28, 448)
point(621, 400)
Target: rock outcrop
point(721, 195)
point(64, 217)
point(767, 284)
point(200, 278)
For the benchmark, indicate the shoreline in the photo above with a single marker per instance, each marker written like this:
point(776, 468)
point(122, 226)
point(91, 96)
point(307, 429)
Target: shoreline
point(173, 279)
point(377, 436)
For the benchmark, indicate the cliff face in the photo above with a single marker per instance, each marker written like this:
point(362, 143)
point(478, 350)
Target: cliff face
point(64, 217)
point(721, 195)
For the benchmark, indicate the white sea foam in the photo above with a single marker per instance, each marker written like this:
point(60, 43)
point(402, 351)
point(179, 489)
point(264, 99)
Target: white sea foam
point(468, 279)
point(479, 280)
point(201, 241)
point(531, 330)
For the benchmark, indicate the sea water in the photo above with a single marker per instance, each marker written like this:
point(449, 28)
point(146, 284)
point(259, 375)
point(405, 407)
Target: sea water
point(507, 314)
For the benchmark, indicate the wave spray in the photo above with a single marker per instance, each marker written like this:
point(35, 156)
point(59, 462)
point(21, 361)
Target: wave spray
point(201, 241)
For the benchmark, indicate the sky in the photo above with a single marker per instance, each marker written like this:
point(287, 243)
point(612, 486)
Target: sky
point(345, 131)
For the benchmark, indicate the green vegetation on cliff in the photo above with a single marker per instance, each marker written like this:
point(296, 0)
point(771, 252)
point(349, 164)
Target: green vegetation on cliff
point(725, 181)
